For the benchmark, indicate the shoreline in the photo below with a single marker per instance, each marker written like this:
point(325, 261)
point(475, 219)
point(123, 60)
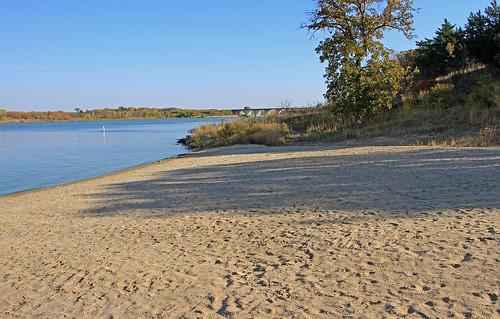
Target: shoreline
point(111, 169)
point(254, 231)
point(194, 152)
point(113, 173)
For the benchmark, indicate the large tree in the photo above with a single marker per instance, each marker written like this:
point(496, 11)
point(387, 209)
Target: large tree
point(361, 76)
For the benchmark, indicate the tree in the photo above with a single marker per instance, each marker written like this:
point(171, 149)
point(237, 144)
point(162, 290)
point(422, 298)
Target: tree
point(493, 16)
point(361, 77)
point(442, 54)
point(482, 35)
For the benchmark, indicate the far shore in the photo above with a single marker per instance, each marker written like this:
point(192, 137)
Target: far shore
point(253, 231)
point(127, 119)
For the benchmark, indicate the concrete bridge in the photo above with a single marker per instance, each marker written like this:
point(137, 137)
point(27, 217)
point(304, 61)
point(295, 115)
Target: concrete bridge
point(257, 112)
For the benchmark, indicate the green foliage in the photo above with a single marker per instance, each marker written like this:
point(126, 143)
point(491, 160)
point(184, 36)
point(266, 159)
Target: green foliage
point(483, 35)
point(265, 132)
point(453, 49)
point(486, 93)
point(441, 96)
point(361, 78)
point(3, 114)
point(483, 102)
point(443, 53)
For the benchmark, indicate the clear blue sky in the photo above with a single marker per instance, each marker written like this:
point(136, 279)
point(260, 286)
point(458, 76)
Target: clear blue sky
point(59, 54)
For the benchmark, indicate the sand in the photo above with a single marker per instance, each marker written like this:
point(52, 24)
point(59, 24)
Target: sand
point(256, 232)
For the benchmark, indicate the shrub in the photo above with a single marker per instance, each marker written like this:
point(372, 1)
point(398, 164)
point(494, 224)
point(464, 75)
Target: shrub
point(204, 135)
point(265, 132)
point(486, 94)
point(441, 95)
point(483, 102)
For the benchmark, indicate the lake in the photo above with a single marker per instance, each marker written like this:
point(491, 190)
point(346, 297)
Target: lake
point(36, 155)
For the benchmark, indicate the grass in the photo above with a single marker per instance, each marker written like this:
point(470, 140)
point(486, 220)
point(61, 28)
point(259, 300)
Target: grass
point(463, 111)
point(488, 136)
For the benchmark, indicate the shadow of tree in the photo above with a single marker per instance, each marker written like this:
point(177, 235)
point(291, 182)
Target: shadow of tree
point(402, 182)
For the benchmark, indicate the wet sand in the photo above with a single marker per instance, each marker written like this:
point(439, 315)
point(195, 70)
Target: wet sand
point(256, 232)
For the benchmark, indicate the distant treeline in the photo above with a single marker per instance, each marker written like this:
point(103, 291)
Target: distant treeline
point(120, 113)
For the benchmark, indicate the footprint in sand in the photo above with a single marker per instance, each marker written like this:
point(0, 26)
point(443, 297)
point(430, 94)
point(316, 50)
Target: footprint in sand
point(468, 257)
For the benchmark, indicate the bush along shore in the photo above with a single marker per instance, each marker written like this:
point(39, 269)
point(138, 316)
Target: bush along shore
point(267, 131)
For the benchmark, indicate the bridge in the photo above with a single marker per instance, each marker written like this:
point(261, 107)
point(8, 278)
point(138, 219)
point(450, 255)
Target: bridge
point(257, 112)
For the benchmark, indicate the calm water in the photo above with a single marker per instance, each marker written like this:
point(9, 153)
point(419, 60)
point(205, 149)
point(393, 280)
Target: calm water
point(42, 154)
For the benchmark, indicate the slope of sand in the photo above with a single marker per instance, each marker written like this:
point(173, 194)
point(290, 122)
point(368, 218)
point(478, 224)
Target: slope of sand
point(255, 232)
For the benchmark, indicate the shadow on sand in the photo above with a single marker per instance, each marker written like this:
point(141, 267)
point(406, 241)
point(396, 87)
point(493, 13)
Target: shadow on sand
point(404, 182)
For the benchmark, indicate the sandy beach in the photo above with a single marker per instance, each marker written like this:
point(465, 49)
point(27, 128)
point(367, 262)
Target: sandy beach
point(256, 232)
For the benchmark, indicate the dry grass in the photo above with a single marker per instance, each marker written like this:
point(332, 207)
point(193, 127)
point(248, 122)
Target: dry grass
point(460, 113)
point(243, 131)
point(487, 136)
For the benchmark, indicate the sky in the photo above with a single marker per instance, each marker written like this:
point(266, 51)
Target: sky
point(62, 54)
